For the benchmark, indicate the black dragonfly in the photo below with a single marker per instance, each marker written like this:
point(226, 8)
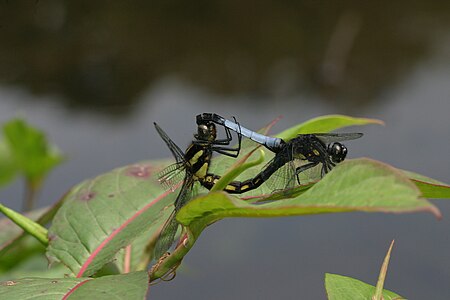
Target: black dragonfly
point(292, 157)
point(190, 166)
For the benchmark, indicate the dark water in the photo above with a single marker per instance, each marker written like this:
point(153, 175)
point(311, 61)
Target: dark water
point(95, 75)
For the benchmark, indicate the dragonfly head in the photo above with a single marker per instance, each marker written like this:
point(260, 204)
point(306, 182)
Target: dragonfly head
point(337, 152)
point(206, 132)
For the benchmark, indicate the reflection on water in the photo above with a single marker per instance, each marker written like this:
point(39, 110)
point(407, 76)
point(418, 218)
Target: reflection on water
point(106, 53)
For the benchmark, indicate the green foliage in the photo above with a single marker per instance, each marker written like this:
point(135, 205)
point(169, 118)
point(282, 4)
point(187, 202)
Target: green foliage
point(24, 150)
point(114, 220)
point(125, 286)
point(29, 151)
point(345, 288)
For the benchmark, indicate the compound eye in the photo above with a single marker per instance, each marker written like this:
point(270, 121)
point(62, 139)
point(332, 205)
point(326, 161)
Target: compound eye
point(202, 132)
point(337, 151)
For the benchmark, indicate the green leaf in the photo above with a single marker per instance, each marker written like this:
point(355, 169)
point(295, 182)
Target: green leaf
point(325, 124)
point(28, 225)
point(137, 255)
point(355, 185)
point(345, 288)
point(30, 150)
point(105, 214)
point(34, 266)
point(429, 187)
point(127, 286)
point(18, 253)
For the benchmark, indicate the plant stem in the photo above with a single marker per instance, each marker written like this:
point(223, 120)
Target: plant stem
point(31, 190)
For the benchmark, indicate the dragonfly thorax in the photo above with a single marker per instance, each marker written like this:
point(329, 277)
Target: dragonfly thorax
point(337, 152)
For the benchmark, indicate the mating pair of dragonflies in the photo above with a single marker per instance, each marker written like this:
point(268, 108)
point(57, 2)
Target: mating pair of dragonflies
point(291, 158)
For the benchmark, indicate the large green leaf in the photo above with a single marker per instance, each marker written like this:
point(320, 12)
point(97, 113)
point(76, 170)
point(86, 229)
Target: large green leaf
point(105, 214)
point(345, 288)
point(355, 185)
point(127, 286)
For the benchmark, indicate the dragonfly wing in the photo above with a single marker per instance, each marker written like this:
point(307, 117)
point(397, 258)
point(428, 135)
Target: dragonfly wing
point(337, 137)
point(170, 176)
point(170, 228)
point(176, 151)
point(284, 177)
point(166, 236)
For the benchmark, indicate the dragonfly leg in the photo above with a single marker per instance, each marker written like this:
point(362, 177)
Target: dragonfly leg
point(304, 168)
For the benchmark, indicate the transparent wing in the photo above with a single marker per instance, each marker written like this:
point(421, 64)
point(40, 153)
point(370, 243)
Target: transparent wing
point(309, 175)
point(167, 235)
point(170, 176)
point(284, 177)
point(337, 137)
point(176, 151)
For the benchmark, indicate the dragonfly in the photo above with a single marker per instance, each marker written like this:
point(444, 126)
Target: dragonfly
point(190, 166)
point(292, 157)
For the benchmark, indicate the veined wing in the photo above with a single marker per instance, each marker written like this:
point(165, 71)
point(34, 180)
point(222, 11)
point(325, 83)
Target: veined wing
point(170, 176)
point(176, 151)
point(170, 228)
point(337, 137)
point(284, 177)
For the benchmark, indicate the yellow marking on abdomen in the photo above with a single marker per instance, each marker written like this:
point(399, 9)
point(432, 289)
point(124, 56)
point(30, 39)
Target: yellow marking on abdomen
point(201, 173)
point(230, 188)
point(194, 158)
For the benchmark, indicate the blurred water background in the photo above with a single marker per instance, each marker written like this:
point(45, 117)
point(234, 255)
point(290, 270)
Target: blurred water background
point(94, 75)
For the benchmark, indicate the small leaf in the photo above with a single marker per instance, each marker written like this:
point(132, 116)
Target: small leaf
point(325, 124)
point(30, 150)
point(28, 225)
point(127, 286)
point(346, 288)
